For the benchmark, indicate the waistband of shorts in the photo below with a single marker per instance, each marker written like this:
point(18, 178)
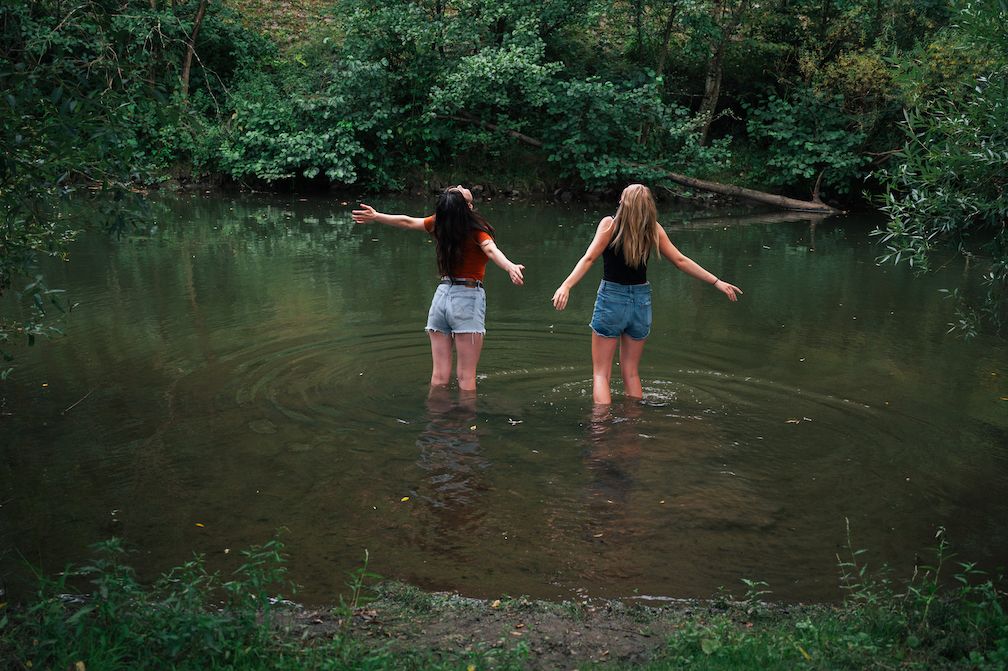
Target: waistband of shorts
point(462, 282)
point(628, 289)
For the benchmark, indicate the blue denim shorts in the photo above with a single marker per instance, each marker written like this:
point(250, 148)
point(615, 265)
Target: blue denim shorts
point(457, 308)
point(622, 308)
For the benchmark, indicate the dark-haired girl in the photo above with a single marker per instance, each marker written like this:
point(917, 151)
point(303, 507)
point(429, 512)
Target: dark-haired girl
point(464, 242)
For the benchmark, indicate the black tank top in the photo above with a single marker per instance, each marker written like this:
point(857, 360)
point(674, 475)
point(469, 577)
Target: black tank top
point(615, 268)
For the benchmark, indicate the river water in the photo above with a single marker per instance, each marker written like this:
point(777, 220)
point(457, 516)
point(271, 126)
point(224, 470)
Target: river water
point(246, 365)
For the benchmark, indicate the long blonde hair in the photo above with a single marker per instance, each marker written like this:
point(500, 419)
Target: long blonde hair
point(635, 226)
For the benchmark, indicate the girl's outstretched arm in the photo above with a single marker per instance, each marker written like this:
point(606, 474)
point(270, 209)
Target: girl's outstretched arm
point(368, 213)
point(603, 234)
point(514, 270)
point(692, 268)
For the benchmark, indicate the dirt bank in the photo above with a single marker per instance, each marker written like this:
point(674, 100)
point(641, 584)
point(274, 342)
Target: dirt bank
point(552, 635)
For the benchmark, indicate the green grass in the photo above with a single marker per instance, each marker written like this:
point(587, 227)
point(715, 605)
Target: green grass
point(190, 618)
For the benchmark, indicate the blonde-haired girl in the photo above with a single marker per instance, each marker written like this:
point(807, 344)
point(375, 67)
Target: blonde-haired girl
point(622, 315)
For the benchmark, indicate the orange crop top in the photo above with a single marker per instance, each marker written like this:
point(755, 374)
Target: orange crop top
point(473, 259)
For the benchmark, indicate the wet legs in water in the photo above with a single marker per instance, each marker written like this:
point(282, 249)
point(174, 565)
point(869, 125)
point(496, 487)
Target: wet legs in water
point(603, 351)
point(468, 347)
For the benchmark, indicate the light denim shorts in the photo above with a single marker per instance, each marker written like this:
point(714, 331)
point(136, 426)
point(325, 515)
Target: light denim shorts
point(622, 308)
point(457, 308)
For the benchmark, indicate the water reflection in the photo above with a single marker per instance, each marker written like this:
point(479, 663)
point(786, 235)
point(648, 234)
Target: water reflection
point(449, 455)
point(240, 365)
point(612, 459)
point(615, 521)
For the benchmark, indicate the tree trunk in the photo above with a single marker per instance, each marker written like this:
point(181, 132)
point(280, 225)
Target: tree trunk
point(639, 26)
point(662, 57)
point(155, 51)
point(191, 48)
point(746, 194)
point(665, 38)
point(712, 91)
point(715, 66)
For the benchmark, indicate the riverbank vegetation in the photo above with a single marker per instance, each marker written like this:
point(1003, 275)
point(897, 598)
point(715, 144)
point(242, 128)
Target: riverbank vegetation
point(902, 103)
point(947, 615)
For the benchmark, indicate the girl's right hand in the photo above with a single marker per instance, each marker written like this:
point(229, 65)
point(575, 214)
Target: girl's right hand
point(729, 290)
point(560, 297)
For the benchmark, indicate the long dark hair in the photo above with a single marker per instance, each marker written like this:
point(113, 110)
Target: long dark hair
point(454, 223)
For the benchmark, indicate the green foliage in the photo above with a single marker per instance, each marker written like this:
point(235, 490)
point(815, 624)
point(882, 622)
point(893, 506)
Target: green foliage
point(274, 136)
point(179, 621)
point(476, 82)
point(505, 85)
point(804, 135)
point(948, 180)
point(188, 619)
point(922, 625)
point(91, 98)
point(62, 121)
point(598, 134)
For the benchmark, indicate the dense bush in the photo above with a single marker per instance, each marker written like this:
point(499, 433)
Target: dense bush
point(274, 136)
point(804, 135)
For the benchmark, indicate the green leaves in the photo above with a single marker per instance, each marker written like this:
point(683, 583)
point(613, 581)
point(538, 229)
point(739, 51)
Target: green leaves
point(803, 135)
point(278, 136)
point(946, 184)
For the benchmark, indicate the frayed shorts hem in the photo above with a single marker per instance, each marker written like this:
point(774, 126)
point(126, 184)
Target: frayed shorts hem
point(602, 335)
point(455, 333)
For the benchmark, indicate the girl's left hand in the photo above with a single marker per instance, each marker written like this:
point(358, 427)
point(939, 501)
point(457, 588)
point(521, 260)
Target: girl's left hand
point(729, 290)
point(515, 273)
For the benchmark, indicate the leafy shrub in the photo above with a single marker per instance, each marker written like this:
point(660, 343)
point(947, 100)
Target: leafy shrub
point(275, 136)
point(803, 135)
point(178, 622)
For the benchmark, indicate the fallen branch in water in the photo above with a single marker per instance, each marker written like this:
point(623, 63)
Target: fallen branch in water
point(814, 205)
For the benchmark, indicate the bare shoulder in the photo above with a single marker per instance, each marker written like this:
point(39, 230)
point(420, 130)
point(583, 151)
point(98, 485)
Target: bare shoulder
point(605, 227)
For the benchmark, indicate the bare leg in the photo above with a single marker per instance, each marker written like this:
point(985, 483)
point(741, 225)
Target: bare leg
point(441, 357)
point(439, 399)
point(468, 347)
point(630, 352)
point(467, 400)
point(603, 350)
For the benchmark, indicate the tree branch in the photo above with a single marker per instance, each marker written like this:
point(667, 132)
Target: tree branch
point(191, 47)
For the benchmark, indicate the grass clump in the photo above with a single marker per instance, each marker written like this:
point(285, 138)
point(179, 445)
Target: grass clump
point(189, 618)
point(923, 624)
